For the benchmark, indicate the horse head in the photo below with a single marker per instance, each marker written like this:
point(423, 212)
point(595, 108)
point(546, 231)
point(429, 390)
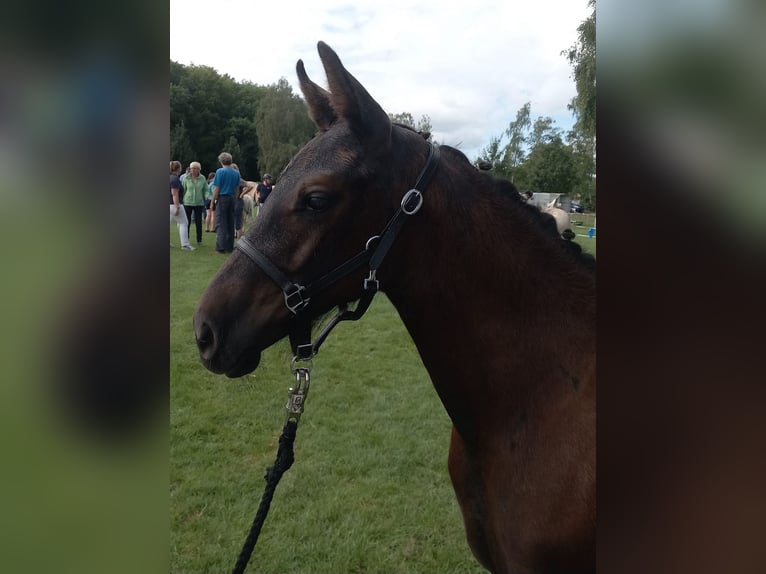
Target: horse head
point(333, 197)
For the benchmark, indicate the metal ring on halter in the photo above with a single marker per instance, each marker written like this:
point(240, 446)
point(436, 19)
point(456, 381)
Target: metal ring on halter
point(406, 199)
point(369, 242)
point(295, 369)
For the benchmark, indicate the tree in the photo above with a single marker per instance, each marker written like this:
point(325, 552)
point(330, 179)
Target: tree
point(585, 167)
point(204, 101)
point(283, 126)
point(543, 132)
point(582, 58)
point(232, 146)
point(491, 154)
point(515, 152)
point(242, 143)
point(423, 125)
point(523, 138)
point(404, 118)
point(582, 137)
point(550, 168)
point(180, 148)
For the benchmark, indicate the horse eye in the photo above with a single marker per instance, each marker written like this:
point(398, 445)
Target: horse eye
point(317, 201)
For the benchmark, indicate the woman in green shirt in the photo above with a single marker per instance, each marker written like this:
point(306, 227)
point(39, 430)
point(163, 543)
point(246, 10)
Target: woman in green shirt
point(196, 190)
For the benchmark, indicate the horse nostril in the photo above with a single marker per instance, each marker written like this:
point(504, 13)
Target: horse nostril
point(206, 342)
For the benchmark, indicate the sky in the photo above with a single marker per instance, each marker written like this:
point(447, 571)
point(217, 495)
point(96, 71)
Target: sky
point(470, 68)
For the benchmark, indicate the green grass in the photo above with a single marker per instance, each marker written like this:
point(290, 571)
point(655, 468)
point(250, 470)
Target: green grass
point(369, 489)
point(581, 223)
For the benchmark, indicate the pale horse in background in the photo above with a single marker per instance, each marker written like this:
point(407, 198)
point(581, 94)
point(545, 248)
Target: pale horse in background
point(249, 200)
point(562, 220)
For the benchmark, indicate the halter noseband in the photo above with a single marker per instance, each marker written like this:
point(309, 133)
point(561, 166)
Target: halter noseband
point(298, 297)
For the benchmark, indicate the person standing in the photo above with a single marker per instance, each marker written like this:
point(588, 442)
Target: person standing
point(209, 213)
point(178, 214)
point(263, 190)
point(226, 184)
point(195, 190)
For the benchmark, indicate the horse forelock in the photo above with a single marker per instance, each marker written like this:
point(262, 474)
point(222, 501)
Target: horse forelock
point(337, 153)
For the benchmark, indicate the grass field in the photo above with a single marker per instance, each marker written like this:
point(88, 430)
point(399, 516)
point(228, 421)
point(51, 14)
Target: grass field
point(369, 489)
point(581, 223)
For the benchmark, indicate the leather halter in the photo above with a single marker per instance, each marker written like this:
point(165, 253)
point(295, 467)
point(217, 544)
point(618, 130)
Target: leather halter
point(298, 297)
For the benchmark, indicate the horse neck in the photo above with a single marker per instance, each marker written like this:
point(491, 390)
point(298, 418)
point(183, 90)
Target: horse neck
point(483, 292)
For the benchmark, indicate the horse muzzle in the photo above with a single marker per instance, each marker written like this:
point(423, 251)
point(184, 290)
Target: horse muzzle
point(217, 358)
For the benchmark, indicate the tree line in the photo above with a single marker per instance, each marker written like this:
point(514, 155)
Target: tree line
point(538, 156)
point(263, 127)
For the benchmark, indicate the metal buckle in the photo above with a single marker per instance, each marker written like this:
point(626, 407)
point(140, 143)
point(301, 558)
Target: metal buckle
point(307, 360)
point(413, 193)
point(299, 289)
point(296, 398)
point(304, 352)
point(371, 283)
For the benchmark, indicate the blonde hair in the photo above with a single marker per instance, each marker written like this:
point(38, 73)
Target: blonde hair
point(196, 164)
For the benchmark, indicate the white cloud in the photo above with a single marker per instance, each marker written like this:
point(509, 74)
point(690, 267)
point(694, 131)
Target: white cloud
point(468, 67)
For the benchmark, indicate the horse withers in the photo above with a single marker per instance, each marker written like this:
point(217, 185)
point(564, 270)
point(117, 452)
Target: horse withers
point(500, 307)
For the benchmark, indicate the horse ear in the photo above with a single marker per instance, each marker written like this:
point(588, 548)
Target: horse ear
point(351, 101)
point(317, 98)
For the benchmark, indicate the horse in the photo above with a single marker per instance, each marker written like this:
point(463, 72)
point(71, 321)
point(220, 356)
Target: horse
point(249, 200)
point(563, 224)
point(472, 272)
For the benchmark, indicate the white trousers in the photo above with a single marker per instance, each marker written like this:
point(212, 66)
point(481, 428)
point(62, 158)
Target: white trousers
point(182, 221)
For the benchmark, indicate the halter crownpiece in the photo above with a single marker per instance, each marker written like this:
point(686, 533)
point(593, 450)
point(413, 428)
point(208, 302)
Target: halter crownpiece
point(298, 297)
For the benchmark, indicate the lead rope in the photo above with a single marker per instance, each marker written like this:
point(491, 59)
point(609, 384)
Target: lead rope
point(285, 456)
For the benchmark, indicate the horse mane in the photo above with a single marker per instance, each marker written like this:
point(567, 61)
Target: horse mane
point(424, 135)
point(506, 191)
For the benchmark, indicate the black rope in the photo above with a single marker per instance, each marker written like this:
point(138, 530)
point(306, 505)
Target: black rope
point(282, 463)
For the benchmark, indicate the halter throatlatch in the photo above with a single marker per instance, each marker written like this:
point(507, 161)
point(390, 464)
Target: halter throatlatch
point(298, 297)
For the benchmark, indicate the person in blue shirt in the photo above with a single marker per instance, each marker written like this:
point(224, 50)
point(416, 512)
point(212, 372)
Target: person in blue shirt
point(225, 184)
